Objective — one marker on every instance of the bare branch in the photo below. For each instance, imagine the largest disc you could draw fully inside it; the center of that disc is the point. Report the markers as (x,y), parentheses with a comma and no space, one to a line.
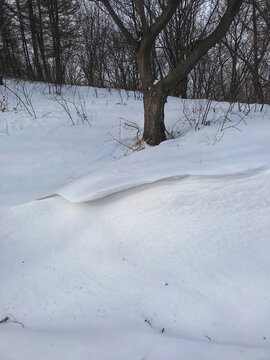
(141,13)
(201,48)
(129,37)
(163,19)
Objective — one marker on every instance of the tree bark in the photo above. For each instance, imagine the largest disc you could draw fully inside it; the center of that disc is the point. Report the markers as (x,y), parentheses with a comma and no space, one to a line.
(154,128)
(154,98)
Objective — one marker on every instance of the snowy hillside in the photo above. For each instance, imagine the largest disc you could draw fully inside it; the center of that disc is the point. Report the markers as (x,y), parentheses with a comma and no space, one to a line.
(109,253)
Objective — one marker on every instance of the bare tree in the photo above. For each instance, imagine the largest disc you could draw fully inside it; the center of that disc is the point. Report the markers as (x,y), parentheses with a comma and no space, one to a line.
(155,93)
(248,43)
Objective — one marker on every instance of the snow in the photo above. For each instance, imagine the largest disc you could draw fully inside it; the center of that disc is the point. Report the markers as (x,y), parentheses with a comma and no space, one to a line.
(109,253)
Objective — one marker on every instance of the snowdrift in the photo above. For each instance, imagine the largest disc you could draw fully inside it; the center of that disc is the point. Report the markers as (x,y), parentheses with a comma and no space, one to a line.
(157,254)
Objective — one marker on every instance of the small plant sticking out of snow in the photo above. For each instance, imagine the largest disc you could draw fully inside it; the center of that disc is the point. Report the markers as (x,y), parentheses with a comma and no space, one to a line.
(23,95)
(199,113)
(10,319)
(75,107)
(3,104)
(131,142)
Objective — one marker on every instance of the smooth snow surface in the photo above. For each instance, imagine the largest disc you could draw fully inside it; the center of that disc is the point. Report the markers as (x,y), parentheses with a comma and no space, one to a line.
(158,254)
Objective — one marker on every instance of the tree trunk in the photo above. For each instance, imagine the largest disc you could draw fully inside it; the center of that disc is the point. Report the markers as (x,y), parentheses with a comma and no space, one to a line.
(40,40)
(1,80)
(53,10)
(154,99)
(233,82)
(154,128)
(33,29)
(29,70)
(181,89)
(258,92)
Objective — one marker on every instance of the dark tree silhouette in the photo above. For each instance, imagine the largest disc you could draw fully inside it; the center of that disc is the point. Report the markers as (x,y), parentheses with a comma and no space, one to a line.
(155,93)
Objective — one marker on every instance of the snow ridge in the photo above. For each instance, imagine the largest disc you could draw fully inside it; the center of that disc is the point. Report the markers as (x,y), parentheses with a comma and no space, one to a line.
(89,188)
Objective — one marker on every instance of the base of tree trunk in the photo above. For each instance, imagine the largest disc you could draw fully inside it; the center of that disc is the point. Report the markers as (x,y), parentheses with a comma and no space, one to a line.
(154,127)
(1,80)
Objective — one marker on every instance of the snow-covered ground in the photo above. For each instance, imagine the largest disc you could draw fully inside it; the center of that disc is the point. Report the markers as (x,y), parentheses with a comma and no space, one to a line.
(110,253)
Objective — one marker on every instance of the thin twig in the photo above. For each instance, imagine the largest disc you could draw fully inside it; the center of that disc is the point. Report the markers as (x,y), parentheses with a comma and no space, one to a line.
(10,319)
(20,99)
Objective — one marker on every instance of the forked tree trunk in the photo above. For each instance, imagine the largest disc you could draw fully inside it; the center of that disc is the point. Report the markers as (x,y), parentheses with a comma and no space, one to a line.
(155,95)
(154,128)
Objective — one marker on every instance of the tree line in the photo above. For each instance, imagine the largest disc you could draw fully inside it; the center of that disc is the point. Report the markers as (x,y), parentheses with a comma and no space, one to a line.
(76,42)
(220,48)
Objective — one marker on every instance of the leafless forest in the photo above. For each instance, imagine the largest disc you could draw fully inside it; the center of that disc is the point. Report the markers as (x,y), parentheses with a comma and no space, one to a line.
(78,42)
